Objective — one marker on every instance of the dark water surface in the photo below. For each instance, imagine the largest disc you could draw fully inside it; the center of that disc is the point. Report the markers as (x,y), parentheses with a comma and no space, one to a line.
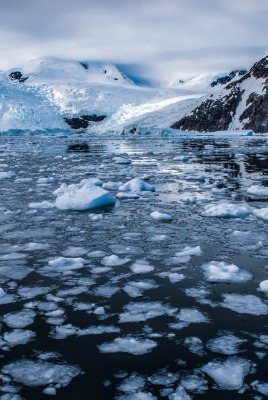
(188,173)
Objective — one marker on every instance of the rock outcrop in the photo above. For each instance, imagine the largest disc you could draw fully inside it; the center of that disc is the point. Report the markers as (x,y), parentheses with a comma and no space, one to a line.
(243,104)
(83,121)
(17,76)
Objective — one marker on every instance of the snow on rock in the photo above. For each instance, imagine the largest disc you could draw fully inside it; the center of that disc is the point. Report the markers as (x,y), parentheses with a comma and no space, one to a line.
(245,304)
(38,373)
(264,286)
(139,312)
(258,191)
(220,271)
(83,196)
(158,216)
(44,205)
(261,213)
(128,345)
(114,261)
(7,175)
(65,264)
(225,210)
(225,344)
(136,184)
(141,267)
(229,374)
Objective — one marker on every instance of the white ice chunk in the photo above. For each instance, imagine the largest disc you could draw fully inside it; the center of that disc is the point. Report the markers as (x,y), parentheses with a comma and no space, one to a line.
(158,216)
(38,373)
(229,374)
(220,271)
(19,319)
(121,160)
(258,190)
(128,345)
(225,210)
(44,205)
(189,316)
(261,387)
(141,267)
(112,185)
(186,254)
(264,286)
(225,344)
(77,197)
(261,213)
(63,264)
(7,175)
(137,396)
(114,261)
(132,383)
(18,336)
(136,184)
(179,394)
(245,304)
(138,312)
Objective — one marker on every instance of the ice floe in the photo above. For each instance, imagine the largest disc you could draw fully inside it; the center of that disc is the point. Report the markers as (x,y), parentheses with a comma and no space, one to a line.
(19,319)
(258,191)
(225,210)
(264,286)
(228,374)
(245,304)
(158,216)
(225,344)
(136,184)
(138,312)
(261,213)
(82,197)
(44,205)
(141,267)
(128,345)
(189,316)
(220,271)
(114,261)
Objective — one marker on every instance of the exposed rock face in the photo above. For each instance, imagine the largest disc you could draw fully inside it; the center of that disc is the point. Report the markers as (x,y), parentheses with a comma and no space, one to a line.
(211,115)
(83,121)
(223,80)
(215,114)
(17,76)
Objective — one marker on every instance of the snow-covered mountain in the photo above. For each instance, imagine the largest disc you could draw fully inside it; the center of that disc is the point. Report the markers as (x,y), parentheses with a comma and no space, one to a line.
(65,96)
(242,104)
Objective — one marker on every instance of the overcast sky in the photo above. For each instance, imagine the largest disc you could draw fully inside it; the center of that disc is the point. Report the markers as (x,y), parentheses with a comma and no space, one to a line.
(162,39)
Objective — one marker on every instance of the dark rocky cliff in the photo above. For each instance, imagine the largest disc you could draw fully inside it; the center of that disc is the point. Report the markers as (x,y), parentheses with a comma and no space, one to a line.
(217,112)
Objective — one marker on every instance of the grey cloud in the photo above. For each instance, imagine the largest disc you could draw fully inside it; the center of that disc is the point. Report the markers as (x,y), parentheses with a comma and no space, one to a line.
(166,38)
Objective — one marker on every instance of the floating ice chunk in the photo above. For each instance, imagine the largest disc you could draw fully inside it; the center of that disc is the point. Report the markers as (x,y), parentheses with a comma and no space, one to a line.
(258,191)
(19,319)
(46,180)
(172,276)
(50,391)
(112,185)
(95,217)
(44,205)
(96,254)
(136,289)
(261,213)
(29,292)
(194,383)
(99,311)
(141,267)
(261,387)
(63,264)
(2,292)
(18,336)
(229,374)
(7,175)
(264,286)
(14,271)
(128,345)
(137,312)
(189,316)
(247,240)
(106,290)
(121,160)
(163,378)
(77,197)
(220,271)
(179,394)
(132,383)
(245,304)
(114,261)
(33,246)
(225,210)
(186,254)
(137,396)
(194,345)
(98,330)
(225,344)
(91,181)
(127,196)
(38,373)
(158,216)
(136,184)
